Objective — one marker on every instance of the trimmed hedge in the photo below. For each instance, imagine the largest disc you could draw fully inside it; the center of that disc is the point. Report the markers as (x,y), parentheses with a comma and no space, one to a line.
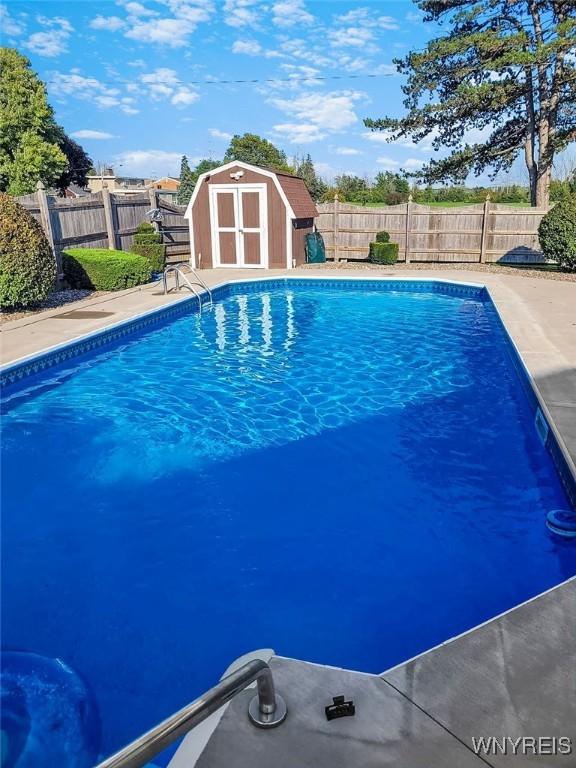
(383,253)
(148,243)
(557,234)
(382,237)
(154,253)
(27,264)
(104,270)
(145,233)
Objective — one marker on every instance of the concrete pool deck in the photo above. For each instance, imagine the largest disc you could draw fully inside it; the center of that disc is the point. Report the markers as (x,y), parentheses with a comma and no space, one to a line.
(512,677)
(540,315)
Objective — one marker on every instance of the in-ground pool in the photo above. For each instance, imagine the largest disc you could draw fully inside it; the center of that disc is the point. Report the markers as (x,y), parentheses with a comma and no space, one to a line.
(348,473)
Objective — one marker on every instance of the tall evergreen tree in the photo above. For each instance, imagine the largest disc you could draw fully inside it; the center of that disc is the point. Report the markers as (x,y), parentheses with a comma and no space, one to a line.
(304,167)
(187,182)
(505,69)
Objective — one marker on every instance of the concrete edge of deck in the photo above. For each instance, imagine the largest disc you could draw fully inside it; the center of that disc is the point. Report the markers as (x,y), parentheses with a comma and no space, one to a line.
(509,679)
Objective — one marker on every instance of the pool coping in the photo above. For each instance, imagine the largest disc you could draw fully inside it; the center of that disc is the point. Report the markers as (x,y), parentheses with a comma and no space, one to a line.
(16,371)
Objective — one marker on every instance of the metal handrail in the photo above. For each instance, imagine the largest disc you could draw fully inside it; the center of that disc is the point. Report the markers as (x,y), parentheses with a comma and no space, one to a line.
(177,274)
(266,710)
(199,280)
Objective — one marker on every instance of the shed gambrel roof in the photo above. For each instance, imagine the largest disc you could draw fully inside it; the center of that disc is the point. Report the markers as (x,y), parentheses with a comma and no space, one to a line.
(297,193)
(292,189)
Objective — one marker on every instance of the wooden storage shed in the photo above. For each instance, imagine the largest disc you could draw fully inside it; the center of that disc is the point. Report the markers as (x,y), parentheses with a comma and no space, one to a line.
(242,215)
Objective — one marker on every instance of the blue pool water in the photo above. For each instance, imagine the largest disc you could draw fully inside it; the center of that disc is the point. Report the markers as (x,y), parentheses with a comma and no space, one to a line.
(347,476)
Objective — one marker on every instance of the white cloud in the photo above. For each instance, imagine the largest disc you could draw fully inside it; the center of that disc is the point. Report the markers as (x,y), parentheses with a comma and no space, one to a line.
(171,32)
(87,133)
(347,151)
(249,47)
(299,133)
(137,9)
(365,17)
(137,63)
(10,26)
(253,48)
(218,134)
(298,48)
(163,83)
(414,18)
(382,137)
(90,89)
(52,42)
(149,162)
(194,11)
(108,23)
(357,37)
(325,171)
(388,163)
(241,13)
(360,28)
(289,13)
(183,97)
(385,69)
(412,163)
(329,111)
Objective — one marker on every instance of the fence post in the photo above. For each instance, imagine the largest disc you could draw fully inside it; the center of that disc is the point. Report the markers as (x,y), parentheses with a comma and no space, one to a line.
(109,218)
(335,227)
(408,228)
(485,220)
(47,226)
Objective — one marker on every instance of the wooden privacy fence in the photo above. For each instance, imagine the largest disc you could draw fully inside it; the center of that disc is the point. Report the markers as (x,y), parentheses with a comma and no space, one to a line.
(106,220)
(484,232)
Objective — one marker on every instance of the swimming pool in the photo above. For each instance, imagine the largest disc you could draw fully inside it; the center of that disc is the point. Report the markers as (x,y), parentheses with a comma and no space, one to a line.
(347,472)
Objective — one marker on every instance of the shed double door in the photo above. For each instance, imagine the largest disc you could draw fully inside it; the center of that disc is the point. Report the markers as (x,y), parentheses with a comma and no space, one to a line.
(238,214)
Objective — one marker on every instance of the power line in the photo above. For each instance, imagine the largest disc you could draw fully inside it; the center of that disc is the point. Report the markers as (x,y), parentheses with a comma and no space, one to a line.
(248,81)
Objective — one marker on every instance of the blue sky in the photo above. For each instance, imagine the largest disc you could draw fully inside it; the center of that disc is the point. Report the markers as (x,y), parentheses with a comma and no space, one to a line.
(135,82)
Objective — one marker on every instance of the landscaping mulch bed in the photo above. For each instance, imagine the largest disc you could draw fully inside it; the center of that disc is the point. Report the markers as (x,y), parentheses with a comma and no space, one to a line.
(534,272)
(55,300)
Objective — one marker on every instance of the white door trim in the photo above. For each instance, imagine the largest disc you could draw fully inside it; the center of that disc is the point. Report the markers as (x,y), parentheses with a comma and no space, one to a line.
(239,229)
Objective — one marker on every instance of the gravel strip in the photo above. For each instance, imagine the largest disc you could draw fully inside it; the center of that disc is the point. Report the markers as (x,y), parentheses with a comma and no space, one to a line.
(540,274)
(55,300)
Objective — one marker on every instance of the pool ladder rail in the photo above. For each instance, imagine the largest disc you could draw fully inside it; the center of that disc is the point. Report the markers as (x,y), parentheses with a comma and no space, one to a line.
(179,274)
(266,710)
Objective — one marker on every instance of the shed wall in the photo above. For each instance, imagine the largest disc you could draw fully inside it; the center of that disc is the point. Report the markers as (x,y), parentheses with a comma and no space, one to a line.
(276,217)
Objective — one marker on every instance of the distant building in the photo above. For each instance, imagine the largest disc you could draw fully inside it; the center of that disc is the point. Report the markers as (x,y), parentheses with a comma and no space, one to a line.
(133,185)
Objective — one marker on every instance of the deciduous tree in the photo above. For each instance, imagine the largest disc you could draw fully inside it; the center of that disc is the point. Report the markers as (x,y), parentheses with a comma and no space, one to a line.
(500,83)
(32,146)
(255,150)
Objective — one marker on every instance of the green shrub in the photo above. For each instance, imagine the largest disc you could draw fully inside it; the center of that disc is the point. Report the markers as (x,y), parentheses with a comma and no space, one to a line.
(104,270)
(146,233)
(154,253)
(557,233)
(27,264)
(382,237)
(383,253)
(148,243)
